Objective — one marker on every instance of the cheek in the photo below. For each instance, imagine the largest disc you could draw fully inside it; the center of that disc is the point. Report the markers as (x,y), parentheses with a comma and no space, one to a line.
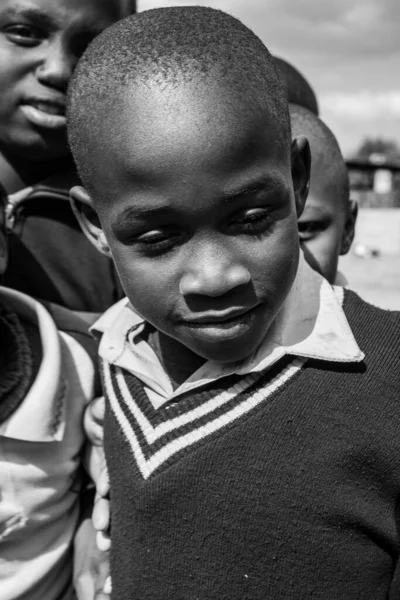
(325,252)
(326,246)
(15,63)
(275,264)
(14,68)
(149,284)
(8,78)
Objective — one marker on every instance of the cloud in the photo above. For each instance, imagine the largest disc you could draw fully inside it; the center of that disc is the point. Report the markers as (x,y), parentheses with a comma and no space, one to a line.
(362,105)
(349,52)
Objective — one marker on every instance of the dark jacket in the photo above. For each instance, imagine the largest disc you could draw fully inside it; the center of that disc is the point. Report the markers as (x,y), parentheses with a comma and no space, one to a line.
(51,259)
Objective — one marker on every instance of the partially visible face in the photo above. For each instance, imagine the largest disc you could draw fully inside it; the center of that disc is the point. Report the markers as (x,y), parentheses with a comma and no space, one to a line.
(40,44)
(197,203)
(322,229)
(3,237)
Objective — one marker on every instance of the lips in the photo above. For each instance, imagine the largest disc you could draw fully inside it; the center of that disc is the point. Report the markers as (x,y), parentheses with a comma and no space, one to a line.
(223,326)
(47,113)
(219,318)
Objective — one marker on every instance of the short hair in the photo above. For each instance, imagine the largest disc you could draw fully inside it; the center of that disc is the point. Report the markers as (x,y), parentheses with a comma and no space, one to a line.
(298,89)
(328,164)
(170,46)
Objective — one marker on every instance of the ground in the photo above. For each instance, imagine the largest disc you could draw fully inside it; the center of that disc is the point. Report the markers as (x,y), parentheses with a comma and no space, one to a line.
(376,279)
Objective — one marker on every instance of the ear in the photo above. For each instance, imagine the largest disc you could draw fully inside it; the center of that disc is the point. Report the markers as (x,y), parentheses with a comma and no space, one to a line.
(301,168)
(349,228)
(82,206)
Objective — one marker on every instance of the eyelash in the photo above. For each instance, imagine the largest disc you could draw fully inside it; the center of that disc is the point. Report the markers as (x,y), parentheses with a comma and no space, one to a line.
(256,222)
(310,229)
(24,35)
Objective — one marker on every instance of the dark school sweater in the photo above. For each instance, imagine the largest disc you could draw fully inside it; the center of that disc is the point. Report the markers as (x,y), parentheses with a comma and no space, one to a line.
(51,259)
(295,498)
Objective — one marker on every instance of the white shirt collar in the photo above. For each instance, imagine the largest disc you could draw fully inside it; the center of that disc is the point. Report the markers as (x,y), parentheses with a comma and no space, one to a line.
(38,417)
(311,324)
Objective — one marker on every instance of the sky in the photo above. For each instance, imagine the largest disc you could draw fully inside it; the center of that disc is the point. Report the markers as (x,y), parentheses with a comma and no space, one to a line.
(349,50)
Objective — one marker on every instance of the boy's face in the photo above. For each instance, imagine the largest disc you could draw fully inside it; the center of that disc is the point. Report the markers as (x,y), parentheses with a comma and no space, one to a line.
(326,228)
(199,207)
(40,43)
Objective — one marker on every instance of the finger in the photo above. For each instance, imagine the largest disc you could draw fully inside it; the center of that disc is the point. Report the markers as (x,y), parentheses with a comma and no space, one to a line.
(105,593)
(93,428)
(103,541)
(107,588)
(101,514)
(103,481)
(98,409)
(95,465)
(20,195)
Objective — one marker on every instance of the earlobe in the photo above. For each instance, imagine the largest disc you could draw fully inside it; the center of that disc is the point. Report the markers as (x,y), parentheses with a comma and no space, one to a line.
(301,167)
(349,229)
(88,220)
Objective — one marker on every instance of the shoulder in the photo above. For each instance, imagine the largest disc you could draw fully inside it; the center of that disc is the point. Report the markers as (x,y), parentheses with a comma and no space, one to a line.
(367,315)
(376,330)
(79,367)
(80,347)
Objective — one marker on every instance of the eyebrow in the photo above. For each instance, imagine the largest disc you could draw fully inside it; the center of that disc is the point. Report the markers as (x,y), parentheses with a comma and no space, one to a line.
(146,212)
(315,208)
(141,213)
(252,187)
(34,15)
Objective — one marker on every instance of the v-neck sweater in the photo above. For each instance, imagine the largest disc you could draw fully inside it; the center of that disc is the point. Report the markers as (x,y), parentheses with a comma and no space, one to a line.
(283,484)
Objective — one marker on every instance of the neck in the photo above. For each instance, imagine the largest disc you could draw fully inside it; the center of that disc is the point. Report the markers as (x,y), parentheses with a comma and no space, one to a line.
(177,360)
(17,173)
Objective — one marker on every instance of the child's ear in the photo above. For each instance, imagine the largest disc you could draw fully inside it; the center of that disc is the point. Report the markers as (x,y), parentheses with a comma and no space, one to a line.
(349,228)
(82,206)
(301,168)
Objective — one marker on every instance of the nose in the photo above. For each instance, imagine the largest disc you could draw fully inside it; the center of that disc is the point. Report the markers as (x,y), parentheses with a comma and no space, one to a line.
(56,68)
(212,272)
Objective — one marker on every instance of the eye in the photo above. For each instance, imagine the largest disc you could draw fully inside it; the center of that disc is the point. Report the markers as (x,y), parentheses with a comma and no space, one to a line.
(310,229)
(157,241)
(252,221)
(24,35)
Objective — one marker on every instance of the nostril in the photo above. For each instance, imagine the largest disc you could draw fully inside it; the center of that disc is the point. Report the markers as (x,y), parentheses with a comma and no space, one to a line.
(212,282)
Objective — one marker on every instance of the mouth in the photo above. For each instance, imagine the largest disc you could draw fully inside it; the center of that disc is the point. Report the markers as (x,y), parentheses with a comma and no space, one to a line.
(218,318)
(48,113)
(223,325)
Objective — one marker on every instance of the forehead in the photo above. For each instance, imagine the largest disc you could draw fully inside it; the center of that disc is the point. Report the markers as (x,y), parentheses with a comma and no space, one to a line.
(184,133)
(61,13)
(323,201)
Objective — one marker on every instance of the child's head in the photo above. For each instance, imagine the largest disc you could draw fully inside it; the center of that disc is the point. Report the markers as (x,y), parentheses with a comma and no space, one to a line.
(326,226)
(40,44)
(182,139)
(298,90)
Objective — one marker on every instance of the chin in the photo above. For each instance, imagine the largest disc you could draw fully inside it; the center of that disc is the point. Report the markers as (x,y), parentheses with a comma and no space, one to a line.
(37,148)
(227,351)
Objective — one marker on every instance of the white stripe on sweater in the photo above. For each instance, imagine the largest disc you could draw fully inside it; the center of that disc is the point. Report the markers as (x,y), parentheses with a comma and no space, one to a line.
(148,466)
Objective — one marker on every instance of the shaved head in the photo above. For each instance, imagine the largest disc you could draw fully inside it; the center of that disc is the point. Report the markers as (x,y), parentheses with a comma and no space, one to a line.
(168,48)
(298,90)
(328,169)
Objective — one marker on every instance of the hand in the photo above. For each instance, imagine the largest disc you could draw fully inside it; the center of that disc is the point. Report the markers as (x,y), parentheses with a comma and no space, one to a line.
(101,509)
(97,468)
(93,421)
(91,566)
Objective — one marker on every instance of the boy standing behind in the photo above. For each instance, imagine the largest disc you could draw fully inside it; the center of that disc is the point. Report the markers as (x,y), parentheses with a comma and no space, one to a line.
(46,379)
(252,414)
(326,226)
(40,44)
